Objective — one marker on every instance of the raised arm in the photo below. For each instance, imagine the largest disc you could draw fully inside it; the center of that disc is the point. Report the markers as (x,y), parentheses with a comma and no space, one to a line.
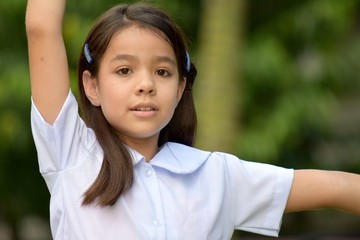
(47,56)
(314,189)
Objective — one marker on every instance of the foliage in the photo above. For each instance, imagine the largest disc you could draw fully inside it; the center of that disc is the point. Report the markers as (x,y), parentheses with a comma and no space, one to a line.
(22,190)
(300,63)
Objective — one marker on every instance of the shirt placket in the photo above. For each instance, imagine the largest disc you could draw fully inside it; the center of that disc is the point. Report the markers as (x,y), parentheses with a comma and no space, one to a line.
(151,181)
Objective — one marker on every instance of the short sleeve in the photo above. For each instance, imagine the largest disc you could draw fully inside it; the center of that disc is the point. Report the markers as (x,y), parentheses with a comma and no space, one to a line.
(259,194)
(59,146)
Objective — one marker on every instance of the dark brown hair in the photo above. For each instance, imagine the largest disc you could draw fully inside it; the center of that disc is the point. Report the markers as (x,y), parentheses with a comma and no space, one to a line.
(116,174)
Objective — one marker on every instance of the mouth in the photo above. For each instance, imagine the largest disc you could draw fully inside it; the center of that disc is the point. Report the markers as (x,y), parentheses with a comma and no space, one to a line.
(143,109)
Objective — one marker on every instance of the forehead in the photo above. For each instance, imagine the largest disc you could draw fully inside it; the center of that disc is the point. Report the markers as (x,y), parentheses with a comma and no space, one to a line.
(137,40)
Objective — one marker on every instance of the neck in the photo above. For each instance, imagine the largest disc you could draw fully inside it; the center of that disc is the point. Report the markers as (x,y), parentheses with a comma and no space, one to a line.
(147,147)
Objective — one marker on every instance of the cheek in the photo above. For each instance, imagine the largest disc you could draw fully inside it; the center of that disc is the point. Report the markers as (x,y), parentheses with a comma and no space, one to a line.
(113,90)
(174,94)
(109,113)
(173,101)
(112,101)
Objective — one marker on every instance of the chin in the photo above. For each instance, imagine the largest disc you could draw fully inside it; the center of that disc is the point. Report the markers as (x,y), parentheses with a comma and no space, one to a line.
(144,136)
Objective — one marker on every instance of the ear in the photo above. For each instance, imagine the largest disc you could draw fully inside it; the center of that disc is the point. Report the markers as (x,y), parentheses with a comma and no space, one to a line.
(181,88)
(91,88)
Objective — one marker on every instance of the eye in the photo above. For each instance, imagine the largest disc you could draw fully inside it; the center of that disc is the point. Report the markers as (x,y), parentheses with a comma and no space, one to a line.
(124,71)
(163,73)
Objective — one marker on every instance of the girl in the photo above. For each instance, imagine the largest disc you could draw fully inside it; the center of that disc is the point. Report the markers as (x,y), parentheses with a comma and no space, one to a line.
(128,171)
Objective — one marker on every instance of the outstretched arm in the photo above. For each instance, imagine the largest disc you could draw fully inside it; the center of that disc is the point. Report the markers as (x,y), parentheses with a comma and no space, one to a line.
(47,56)
(314,189)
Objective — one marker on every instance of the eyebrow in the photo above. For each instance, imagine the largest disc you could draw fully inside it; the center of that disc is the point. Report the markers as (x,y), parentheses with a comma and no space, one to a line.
(120,57)
(165,59)
(129,57)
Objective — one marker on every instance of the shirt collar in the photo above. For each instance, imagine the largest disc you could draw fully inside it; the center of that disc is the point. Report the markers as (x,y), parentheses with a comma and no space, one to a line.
(136,156)
(175,157)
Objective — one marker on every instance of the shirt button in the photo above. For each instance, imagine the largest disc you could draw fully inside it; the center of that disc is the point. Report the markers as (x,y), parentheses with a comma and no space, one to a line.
(157,223)
(148,172)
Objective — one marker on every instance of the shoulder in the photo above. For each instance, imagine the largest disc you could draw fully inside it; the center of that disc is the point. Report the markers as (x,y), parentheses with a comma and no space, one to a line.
(227,163)
(182,159)
(66,141)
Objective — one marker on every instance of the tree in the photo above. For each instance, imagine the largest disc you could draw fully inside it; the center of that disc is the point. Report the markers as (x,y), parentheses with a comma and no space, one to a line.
(218,86)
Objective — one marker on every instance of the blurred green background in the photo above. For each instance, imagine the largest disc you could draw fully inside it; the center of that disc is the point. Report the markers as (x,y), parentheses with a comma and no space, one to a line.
(279,82)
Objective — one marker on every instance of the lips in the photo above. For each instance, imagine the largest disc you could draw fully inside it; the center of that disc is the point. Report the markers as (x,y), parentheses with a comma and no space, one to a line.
(144,107)
(144,110)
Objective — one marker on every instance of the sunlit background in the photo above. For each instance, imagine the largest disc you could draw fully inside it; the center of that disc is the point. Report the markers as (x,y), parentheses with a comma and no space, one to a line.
(279,82)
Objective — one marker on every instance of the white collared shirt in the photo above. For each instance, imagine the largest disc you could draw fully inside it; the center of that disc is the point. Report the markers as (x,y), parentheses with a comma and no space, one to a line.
(182,193)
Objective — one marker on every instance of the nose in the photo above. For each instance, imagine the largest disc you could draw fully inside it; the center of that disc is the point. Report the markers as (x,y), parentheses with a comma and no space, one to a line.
(146,85)
(141,91)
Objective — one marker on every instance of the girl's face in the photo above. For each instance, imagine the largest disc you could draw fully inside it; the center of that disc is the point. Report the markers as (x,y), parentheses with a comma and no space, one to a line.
(138,86)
